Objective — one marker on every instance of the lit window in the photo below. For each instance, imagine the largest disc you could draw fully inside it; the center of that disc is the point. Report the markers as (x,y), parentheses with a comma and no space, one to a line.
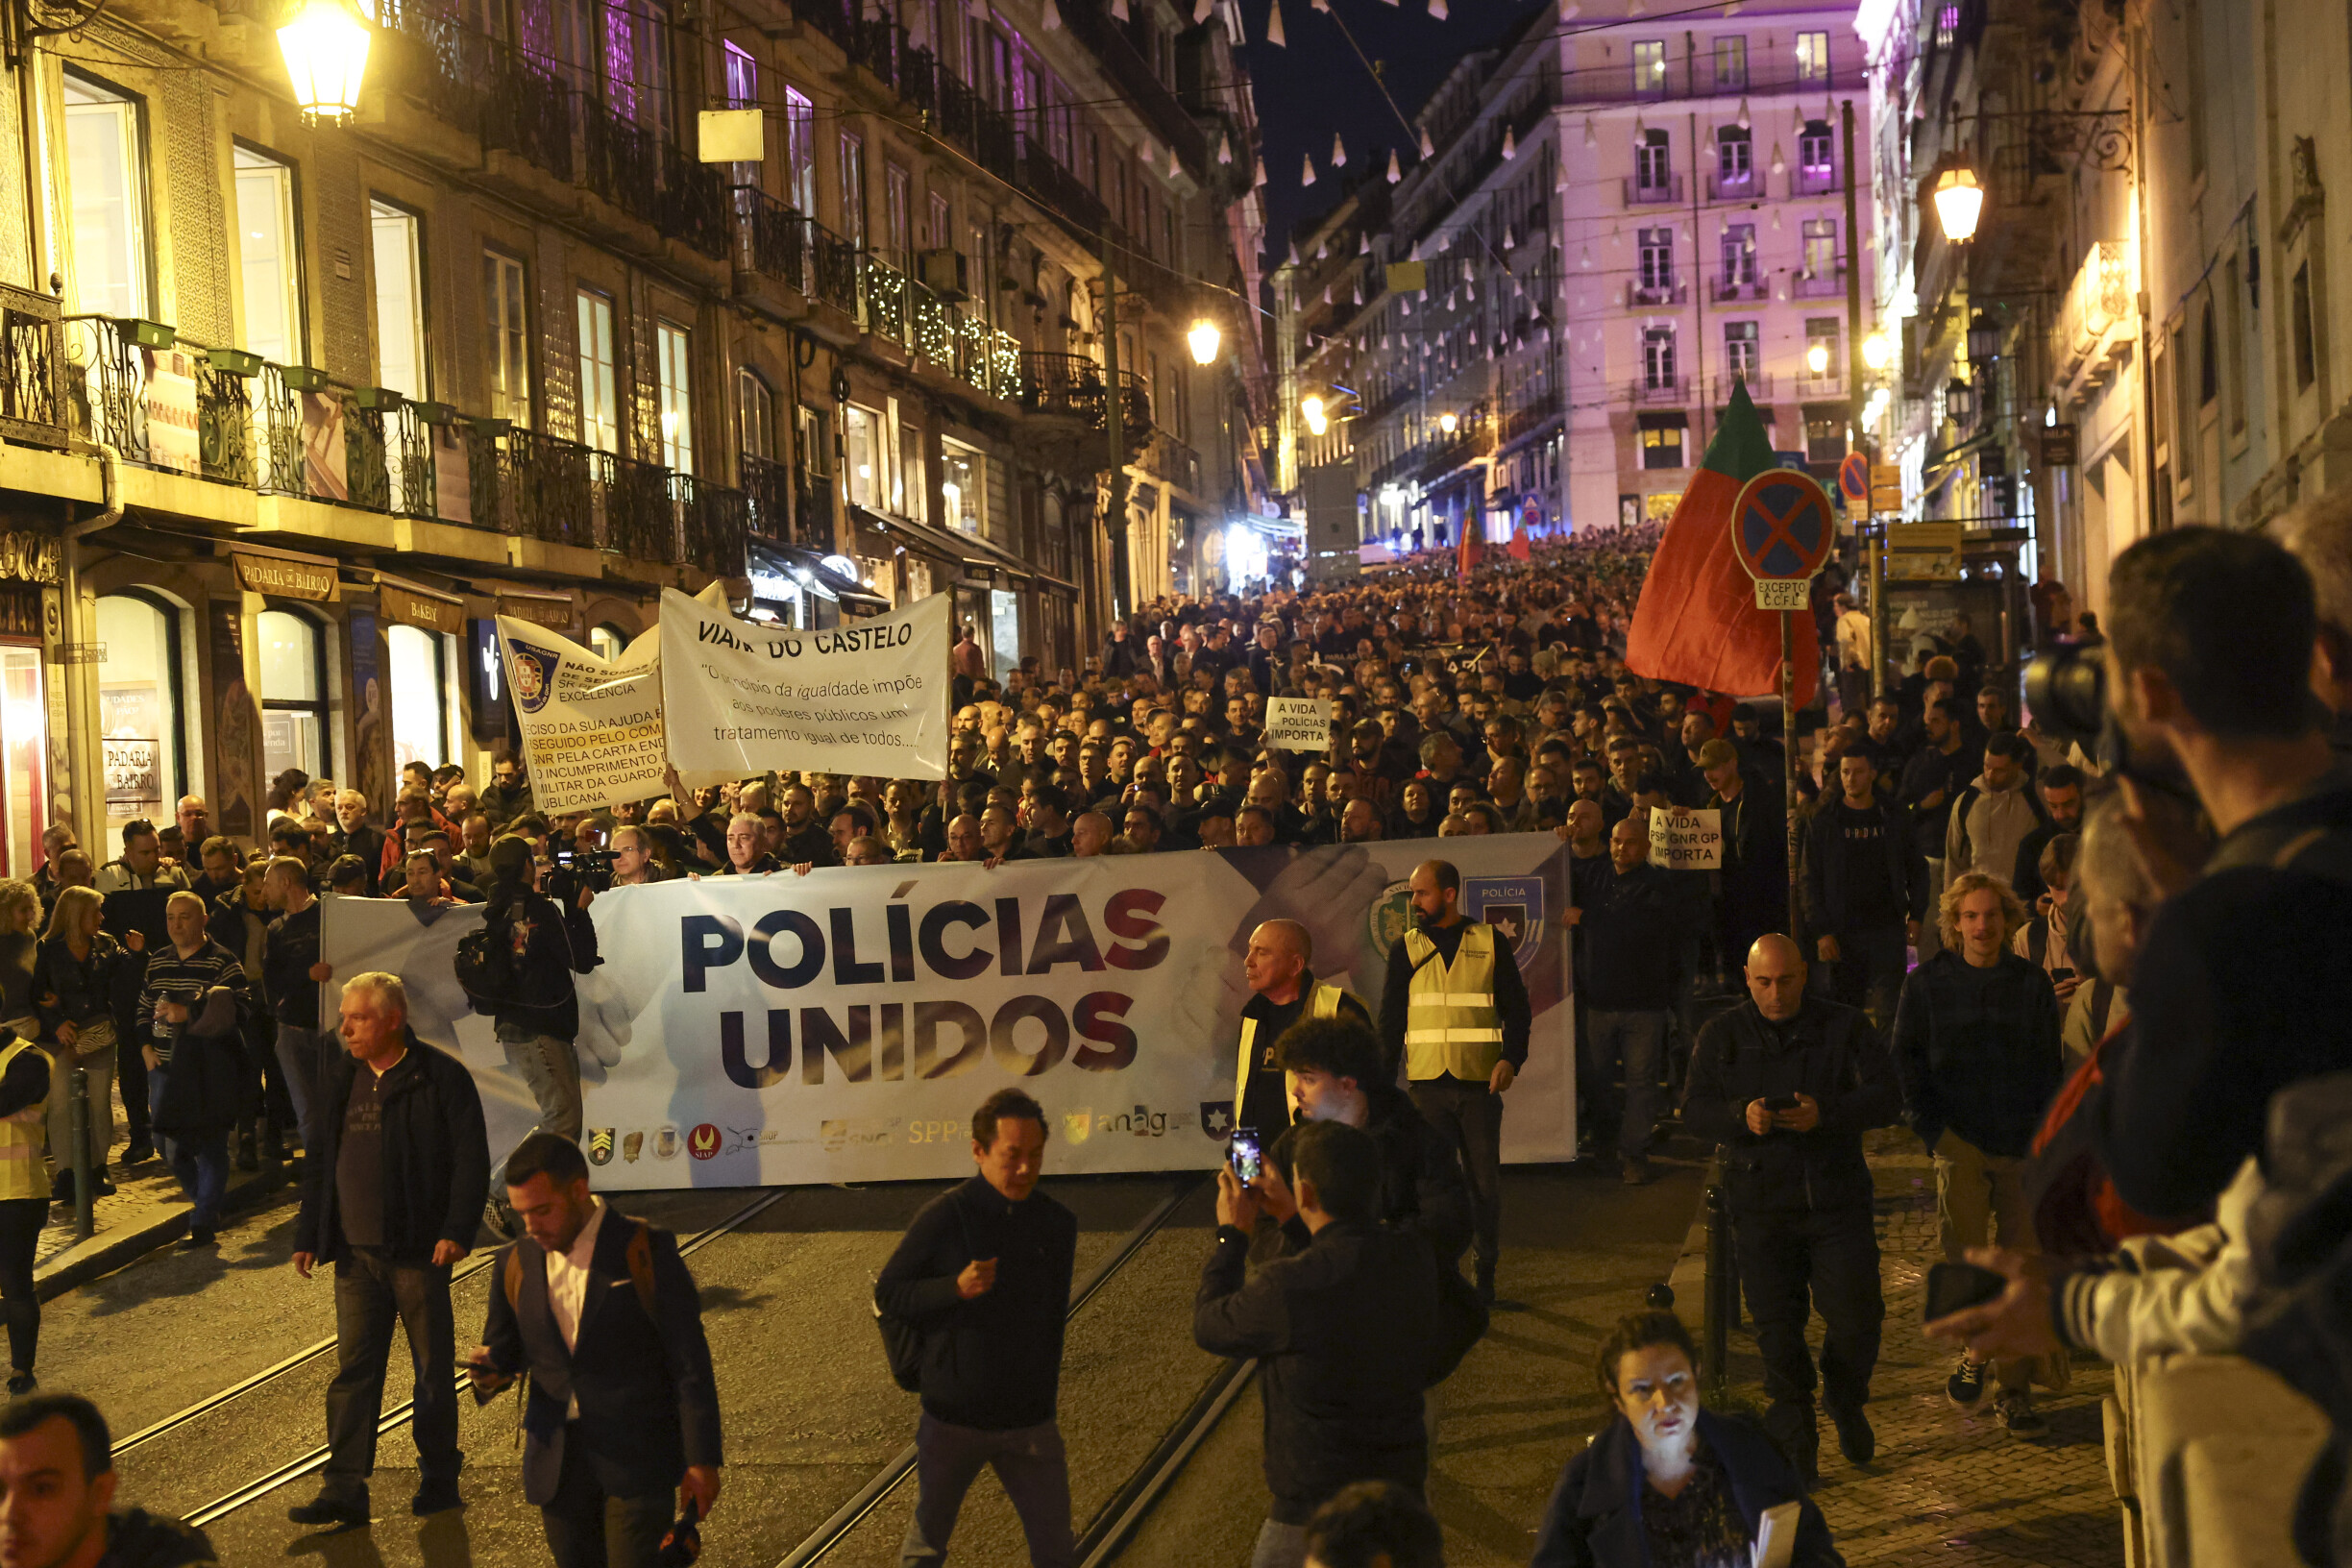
(400,299)
(293,694)
(963,485)
(862,450)
(673,350)
(268,257)
(1812,57)
(104,164)
(599,391)
(507,338)
(419,697)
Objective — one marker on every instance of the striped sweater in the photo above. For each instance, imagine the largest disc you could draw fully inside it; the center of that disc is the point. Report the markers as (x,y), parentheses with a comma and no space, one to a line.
(174,976)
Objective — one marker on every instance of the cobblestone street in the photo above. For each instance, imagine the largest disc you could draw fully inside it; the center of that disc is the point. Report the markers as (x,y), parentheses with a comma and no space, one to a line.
(1946,1487)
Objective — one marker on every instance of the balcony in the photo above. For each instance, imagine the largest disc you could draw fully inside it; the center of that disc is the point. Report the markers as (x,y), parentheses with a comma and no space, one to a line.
(1829,284)
(1814,179)
(1696,78)
(1671,391)
(1172,462)
(1742,186)
(33,407)
(1658,294)
(1071,386)
(224,416)
(1732,290)
(2097,322)
(1829,384)
(1639,192)
(771,238)
(1759,384)
(1530,417)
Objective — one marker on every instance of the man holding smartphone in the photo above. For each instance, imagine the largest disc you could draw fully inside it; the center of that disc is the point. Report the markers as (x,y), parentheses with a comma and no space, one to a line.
(1788,1083)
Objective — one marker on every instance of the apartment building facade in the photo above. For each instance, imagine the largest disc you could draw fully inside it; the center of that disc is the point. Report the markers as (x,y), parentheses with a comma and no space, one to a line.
(1704,241)
(291,413)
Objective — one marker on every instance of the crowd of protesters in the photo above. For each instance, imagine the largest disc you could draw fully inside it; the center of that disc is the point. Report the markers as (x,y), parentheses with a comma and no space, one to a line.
(2087,975)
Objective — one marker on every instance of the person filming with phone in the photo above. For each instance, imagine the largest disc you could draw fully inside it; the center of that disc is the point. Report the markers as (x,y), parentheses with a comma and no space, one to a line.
(1787,1082)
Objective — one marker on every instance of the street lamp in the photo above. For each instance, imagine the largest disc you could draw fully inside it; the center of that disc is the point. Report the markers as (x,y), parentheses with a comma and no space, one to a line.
(1959,199)
(1983,338)
(1449,420)
(1877,351)
(1205,339)
(1960,402)
(326,49)
(1317,421)
(1817,358)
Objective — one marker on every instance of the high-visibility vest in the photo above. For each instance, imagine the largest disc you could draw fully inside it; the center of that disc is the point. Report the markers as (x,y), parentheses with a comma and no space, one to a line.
(1451,1025)
(1323,1002)
(24,1138)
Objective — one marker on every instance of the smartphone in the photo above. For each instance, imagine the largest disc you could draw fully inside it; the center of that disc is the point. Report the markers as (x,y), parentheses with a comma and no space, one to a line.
(1780,1102)
(2060,976)
(1954,1288)
(1242,1153)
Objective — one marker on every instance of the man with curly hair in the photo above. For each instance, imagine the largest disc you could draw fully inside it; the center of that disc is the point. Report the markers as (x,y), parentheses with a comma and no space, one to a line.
(1976,1049)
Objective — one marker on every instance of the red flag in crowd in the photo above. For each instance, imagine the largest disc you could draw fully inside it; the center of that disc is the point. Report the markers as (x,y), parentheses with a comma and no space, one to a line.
(1473,543)
(1520,549)
(1697,622)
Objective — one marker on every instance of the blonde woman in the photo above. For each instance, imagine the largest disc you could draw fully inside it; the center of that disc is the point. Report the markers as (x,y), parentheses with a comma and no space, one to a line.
(1976,1045)
(19,945)
(73,983)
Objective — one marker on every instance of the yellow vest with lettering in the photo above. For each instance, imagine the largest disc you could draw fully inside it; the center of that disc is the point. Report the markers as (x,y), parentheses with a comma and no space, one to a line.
(24,1138)
(1322,1003)
(1451,1025)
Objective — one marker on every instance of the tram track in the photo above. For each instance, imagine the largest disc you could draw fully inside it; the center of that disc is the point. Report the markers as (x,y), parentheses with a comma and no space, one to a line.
(394,1417)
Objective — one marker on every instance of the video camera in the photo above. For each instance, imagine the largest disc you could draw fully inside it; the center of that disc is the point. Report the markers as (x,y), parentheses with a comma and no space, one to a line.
(2066,686)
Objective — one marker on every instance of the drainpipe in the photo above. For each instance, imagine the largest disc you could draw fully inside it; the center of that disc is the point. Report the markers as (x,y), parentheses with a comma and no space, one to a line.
(81,699)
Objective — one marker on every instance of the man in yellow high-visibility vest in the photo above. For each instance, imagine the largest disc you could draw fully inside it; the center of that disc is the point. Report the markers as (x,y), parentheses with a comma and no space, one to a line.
(1284,990)
(1456,1010)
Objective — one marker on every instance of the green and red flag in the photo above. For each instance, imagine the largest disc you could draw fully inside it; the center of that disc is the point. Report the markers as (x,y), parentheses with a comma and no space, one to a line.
(1473,541)
(1697,622)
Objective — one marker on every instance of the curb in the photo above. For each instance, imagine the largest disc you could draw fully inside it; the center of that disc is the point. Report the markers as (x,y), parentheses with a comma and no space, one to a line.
(109,1250)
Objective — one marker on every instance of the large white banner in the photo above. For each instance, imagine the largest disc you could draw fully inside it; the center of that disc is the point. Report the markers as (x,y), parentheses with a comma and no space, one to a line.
(592,727)
(867,696)
(843,1025)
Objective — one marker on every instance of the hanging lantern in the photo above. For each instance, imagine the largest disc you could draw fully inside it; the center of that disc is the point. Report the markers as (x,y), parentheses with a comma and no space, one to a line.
(1960,402)
(1959,201)
(326,50)
(1984,335)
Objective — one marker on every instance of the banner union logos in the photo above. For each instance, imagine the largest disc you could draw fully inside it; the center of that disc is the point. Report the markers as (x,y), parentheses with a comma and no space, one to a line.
(703,1141)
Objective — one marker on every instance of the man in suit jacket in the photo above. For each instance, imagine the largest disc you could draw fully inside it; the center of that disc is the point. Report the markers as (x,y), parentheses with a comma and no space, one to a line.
(622,1412)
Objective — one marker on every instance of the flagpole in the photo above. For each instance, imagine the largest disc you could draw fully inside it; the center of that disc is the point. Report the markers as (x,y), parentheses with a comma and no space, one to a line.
(1788,757)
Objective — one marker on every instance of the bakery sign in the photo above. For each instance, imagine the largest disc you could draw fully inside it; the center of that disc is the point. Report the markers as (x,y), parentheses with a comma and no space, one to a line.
(405,606)
(285,576)
(554,614)
(28,557)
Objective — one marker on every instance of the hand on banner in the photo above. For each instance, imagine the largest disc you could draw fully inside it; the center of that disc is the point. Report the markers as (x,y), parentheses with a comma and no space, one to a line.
(801,868)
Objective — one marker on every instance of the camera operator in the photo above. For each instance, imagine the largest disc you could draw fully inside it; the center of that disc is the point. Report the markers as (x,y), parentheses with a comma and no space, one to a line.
(537,944)
(2241,986)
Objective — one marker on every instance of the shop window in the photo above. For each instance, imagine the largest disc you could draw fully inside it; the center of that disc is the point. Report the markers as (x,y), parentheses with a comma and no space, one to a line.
(420,697)
(24,759)
(1662,447)
(139,709)
(293,694)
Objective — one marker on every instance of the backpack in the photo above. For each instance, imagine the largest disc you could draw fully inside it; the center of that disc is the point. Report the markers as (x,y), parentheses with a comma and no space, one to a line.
(903,1343)
(640,1256)
(484,964)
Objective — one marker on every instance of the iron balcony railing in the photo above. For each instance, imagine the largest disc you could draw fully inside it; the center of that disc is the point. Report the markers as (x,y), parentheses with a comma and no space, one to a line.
(225,415)
(768,492)
(33,407)
(771,238)
(1071,384)
(1828,284)
(1639,192)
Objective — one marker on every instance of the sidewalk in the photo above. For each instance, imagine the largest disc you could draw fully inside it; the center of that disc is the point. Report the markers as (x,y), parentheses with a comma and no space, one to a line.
(1946,1487)
(145,1212)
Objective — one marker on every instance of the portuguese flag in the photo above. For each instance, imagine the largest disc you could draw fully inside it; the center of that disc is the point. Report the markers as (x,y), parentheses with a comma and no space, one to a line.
(1697,622)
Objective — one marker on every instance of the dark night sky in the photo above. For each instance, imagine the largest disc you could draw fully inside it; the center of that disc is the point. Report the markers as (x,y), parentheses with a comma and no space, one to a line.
(1318,85)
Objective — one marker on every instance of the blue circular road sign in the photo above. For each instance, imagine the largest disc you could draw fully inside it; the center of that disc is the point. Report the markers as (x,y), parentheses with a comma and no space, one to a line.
(1782,524)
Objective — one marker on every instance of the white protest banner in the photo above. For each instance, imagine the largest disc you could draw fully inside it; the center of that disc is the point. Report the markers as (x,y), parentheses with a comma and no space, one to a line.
(1298,723)
(592,727)
(1684,840)
(841,1025)
(865,697)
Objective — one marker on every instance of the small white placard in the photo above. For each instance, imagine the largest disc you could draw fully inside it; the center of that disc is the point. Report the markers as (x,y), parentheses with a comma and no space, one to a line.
(1686,841)
(1298,723)
(1784,593)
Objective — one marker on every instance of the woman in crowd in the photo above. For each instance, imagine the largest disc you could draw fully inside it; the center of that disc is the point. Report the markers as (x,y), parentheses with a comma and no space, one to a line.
(1417,816)
(74,977)
(1666,1485)
(19,947)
